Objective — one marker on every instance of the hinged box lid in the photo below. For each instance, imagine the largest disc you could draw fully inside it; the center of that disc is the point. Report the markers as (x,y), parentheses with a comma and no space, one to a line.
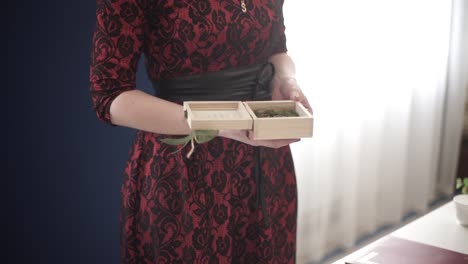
(217,115)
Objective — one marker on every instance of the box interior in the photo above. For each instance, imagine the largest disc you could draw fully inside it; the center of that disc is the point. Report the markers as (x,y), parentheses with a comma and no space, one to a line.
(217,111)
(277,105)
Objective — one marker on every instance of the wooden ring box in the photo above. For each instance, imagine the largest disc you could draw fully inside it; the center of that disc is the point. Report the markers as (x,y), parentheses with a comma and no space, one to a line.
(236,115)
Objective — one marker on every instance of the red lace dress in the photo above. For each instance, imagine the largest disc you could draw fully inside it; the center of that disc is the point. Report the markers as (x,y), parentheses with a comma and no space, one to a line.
(202,209)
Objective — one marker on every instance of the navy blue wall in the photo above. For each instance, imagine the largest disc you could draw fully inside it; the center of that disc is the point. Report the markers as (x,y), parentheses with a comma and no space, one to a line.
(63,166)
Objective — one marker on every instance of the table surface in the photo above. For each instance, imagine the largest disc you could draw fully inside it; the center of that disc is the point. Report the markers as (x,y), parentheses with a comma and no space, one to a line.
(437,228)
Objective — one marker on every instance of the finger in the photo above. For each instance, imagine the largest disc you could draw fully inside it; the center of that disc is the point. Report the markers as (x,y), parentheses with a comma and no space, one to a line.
(307,106)
(299,97)
(303,100)
(295,96)
(250,135)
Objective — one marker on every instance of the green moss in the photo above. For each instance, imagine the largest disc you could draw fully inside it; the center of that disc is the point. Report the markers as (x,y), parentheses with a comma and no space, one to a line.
(275,113)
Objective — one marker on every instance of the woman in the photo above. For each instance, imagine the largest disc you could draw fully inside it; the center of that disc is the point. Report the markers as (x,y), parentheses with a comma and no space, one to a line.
(234,199)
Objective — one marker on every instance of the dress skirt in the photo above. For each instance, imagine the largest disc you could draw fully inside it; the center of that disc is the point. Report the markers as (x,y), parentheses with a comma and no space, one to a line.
(206,208)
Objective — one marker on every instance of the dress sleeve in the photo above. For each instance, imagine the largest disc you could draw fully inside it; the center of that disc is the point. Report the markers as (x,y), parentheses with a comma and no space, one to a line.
(279,36)
(117,44)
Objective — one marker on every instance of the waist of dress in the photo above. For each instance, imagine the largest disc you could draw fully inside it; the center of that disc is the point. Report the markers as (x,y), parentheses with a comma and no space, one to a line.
(244,83)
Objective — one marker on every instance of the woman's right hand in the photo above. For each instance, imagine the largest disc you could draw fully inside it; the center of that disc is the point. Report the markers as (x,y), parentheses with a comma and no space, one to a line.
(246,137)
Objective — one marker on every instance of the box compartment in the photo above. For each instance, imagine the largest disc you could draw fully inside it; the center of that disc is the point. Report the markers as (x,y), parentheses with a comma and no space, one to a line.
(280,127)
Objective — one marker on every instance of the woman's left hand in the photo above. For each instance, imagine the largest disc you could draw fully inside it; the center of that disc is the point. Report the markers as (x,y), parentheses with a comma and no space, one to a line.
(286,88)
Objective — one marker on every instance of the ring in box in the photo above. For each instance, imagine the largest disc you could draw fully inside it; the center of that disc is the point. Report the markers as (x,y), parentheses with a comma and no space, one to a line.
(219,115)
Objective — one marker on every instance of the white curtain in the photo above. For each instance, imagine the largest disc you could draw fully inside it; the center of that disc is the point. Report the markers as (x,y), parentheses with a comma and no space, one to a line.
(375,72)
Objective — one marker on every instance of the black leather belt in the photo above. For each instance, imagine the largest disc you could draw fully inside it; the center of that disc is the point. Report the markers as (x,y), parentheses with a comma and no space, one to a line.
(246,83)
